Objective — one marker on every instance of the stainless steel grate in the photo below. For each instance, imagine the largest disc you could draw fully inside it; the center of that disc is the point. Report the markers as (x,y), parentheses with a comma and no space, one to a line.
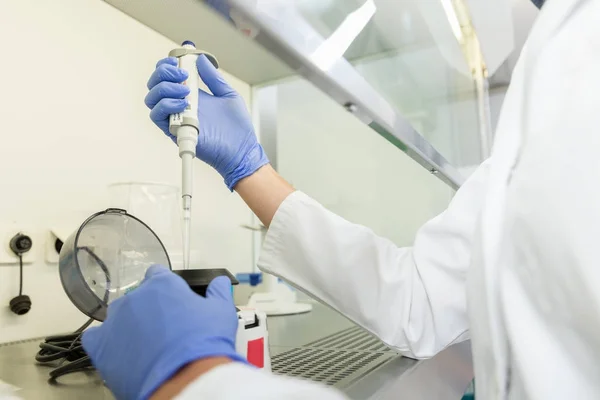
(336,360)
(354,338)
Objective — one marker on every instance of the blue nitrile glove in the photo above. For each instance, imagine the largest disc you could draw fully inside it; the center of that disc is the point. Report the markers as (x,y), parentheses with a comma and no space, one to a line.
(152,332)
(226,140)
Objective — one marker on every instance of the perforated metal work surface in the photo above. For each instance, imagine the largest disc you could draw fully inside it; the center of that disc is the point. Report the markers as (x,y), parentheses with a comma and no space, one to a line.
(353,338)
(349,359)
(336,360)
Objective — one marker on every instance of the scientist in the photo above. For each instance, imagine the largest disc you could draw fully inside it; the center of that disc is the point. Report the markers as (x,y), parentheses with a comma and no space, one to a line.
(512,263)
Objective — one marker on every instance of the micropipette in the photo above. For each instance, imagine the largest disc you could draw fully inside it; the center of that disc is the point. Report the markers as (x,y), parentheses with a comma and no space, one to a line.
(184,126)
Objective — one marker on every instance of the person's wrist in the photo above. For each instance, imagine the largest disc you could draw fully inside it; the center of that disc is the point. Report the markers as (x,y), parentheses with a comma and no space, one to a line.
(188,350)
(253,160)
(264,191)
(188,374)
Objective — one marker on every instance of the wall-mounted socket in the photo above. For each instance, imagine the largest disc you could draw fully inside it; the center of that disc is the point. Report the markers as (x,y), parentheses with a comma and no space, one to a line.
(55,237)
(7,256)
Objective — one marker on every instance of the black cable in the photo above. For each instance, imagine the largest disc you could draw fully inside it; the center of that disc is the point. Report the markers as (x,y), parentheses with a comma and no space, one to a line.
(20,274)
(66,350)
(19,245)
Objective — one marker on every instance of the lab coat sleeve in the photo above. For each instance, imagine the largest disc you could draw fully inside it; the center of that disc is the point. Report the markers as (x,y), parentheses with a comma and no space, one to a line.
(412,298)
(237,381)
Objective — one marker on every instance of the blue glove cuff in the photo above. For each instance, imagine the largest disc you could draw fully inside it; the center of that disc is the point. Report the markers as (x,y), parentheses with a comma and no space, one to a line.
(252,161)
(178,357)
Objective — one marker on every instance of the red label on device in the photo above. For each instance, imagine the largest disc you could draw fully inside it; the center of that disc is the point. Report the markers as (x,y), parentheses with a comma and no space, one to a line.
(256,352)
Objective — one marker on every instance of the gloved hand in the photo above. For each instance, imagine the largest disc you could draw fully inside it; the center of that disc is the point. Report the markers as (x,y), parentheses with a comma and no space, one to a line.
(226,140)
(152,332)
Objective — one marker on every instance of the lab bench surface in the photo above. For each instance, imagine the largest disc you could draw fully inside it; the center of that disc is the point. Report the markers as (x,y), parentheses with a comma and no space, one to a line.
(322,336)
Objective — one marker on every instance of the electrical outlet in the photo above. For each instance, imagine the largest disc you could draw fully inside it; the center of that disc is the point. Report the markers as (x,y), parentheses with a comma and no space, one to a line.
(7,257)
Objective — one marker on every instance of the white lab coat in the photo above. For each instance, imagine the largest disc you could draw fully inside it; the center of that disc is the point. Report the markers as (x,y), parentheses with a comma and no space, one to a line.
(511,264)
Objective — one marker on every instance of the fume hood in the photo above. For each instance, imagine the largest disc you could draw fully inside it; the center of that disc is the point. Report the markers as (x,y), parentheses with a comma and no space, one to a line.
(388,62)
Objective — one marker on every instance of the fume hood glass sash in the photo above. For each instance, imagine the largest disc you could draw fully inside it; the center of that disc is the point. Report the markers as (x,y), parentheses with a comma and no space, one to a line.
(281,27)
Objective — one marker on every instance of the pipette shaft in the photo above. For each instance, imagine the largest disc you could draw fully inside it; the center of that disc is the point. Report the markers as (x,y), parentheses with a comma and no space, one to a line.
(187,172)
(185,127)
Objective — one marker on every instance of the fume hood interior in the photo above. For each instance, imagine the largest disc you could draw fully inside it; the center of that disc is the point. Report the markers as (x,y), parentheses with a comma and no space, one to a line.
(356,81)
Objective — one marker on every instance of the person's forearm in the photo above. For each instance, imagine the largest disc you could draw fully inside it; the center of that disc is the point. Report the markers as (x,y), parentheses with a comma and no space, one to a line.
(264,191)
(187,375)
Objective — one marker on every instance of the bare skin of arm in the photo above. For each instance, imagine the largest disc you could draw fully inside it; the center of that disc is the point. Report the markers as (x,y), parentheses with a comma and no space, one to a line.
(174,386)
(263,192)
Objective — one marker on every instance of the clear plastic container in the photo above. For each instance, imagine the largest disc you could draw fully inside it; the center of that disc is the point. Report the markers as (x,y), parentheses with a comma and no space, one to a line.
(106,258)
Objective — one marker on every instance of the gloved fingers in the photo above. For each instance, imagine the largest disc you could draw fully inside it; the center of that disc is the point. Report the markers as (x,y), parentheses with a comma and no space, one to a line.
(166,72)
(220,287)
(165,90)
(212,78)
(202,97)
(168,60)
(91,339)
(114,307)
(159,277)
(156,270)
(165,107)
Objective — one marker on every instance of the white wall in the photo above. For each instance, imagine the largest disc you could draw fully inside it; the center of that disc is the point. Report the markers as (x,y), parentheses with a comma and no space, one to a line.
(74,78)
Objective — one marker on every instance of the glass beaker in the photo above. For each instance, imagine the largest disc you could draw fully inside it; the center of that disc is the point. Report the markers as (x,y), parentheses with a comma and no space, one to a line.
(159,206)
